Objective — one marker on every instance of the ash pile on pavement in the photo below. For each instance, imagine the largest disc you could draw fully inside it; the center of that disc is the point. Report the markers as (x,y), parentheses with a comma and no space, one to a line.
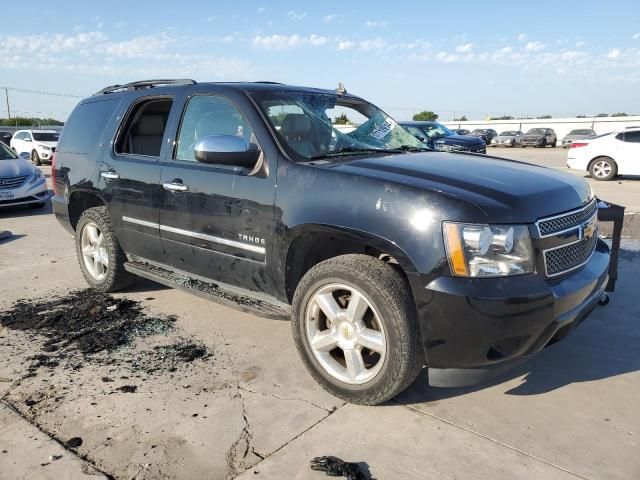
(80,326)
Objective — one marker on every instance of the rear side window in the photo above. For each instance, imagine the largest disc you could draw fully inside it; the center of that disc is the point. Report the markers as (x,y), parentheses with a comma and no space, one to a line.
(84,128)
(144,127)
(633,137)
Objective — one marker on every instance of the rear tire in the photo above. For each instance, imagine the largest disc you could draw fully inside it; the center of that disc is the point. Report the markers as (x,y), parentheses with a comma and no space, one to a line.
(100,256)
(383,310)
(603,168)
(554,143)
(35,158)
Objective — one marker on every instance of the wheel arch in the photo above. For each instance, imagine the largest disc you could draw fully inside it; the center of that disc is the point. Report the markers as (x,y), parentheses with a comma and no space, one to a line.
(309,245)
(81,200)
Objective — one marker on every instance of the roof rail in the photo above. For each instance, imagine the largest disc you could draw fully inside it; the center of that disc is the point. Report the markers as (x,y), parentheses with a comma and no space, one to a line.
(269,82)
(145,84)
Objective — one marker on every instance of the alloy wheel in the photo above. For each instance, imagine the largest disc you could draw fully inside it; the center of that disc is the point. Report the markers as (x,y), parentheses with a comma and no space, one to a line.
(345,333)
(94,251)
(602,169)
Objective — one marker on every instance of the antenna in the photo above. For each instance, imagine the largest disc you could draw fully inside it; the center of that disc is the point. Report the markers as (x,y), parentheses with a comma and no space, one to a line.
(341,90)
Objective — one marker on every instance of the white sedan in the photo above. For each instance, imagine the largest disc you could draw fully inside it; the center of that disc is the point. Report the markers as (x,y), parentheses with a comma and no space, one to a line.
(608,155)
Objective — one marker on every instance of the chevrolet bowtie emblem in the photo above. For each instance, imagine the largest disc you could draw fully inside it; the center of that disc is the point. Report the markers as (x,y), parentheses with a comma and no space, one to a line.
(588,229)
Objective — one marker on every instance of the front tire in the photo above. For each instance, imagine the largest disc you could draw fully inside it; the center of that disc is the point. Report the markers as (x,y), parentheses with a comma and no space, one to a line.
(100,256)
(355,326)
(35,158)
(554,143)
(603,168)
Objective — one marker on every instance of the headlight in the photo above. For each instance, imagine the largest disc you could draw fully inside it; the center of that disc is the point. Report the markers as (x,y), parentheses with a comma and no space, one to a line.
(37,176)
(488,250)
(44,147)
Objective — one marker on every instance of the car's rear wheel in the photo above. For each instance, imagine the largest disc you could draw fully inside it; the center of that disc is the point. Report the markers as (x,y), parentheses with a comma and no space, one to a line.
(554,143)
(603,168)
(100,256)
(35,158)
(355,326)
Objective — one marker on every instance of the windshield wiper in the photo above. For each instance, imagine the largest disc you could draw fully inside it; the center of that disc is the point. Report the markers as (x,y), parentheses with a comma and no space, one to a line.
(356,151)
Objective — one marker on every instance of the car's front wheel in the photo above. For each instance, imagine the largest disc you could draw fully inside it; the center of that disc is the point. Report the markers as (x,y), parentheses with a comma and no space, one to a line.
(100,256)
(35,158)
(603,168)
(355,326)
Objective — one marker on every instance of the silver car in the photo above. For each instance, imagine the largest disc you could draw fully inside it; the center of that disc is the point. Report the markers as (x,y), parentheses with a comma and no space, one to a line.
(578,134)
(510,138)
(21,183)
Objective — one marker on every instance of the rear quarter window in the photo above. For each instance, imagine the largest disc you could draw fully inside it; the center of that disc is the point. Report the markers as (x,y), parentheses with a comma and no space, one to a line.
(85,126)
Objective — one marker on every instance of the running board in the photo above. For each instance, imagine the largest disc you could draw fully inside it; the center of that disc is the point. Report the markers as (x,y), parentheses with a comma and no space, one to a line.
(209,290)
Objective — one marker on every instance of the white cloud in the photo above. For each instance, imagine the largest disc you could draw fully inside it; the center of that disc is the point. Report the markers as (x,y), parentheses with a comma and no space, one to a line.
(228,39)
(329,18)
(447,57)
(373,44)
(293,15)
(262,9)
(464,48)
(636,36)
(284,42)
(580,44)
(534,46)
(346,45)
(376,24)
(613,54)
(522,37)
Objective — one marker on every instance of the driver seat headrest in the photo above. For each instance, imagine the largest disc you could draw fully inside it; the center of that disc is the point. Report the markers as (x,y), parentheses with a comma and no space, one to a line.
(296,126)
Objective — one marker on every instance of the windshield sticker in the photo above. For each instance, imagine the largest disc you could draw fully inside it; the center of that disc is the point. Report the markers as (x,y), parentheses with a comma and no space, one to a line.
(383,129)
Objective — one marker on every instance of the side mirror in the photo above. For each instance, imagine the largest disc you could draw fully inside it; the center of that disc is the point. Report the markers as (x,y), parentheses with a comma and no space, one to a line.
(226,150)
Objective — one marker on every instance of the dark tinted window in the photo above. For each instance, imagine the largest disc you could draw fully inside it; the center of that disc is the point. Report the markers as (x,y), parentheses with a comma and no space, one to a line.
(19,136)
(633,137)
(82,131)
(143,129)
(45,136)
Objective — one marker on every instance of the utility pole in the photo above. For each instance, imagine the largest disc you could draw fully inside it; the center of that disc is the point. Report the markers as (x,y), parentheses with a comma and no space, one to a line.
(6,94)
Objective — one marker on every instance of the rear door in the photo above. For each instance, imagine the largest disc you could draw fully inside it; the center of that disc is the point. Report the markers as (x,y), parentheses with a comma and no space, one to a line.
(628,157)
(216,221)
(130,174)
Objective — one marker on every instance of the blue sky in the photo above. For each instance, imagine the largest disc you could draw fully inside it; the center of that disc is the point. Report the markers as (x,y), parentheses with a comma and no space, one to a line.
(464,57)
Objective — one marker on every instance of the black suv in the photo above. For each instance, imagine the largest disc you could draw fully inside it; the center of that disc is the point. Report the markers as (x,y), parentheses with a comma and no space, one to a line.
(387,256)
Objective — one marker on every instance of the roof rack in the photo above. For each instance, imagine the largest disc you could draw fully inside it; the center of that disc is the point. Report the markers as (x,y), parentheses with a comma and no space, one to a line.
(145,84)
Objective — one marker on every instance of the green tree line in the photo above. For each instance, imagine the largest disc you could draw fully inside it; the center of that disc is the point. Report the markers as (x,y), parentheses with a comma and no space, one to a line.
(28,122)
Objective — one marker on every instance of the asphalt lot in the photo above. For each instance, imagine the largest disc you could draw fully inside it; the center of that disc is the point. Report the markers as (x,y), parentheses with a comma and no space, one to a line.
(250,410)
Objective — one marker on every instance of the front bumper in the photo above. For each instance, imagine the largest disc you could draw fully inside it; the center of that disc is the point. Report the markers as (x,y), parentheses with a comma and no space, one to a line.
(473,329)
(27,193)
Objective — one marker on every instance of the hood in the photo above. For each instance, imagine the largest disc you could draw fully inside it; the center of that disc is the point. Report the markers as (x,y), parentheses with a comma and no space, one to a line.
(506,191)
(466,140)
(16,168)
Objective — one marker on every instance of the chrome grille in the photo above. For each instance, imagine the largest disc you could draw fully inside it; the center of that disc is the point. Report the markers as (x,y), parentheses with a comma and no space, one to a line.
(569,257)
(7,183)
(566,221)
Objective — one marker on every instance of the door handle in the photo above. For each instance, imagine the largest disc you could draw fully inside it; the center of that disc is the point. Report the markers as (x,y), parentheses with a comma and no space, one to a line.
(175,187)
(110,175)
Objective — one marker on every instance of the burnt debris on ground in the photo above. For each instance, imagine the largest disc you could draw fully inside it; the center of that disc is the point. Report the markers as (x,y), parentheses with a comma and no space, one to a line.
(80,326)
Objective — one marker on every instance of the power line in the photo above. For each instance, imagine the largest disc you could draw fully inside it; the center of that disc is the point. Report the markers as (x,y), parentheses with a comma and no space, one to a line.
(41,92)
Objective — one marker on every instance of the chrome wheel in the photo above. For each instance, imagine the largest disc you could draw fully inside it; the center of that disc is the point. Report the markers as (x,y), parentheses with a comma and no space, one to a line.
(602,169)
(94,251)
(345,333)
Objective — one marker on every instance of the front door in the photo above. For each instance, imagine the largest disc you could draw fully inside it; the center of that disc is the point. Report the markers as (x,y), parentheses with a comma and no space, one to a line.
(216,221)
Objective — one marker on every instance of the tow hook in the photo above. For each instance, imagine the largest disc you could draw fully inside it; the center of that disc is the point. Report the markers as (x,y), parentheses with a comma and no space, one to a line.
(604,300)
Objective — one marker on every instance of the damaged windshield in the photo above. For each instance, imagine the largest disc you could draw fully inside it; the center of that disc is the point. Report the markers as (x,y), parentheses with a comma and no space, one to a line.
(315,125)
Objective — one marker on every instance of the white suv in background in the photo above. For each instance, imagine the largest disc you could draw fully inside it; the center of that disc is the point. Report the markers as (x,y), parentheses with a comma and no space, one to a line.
(39,144)
(608,155)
